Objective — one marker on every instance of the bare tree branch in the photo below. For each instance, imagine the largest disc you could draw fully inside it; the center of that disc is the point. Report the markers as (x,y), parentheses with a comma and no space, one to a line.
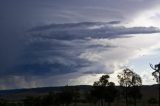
(152,67)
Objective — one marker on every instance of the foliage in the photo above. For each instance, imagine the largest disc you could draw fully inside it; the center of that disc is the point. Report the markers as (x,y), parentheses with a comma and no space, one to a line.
(128,78)
(110,93)
(104,90)
(156,73)
(130,81)
(103,81)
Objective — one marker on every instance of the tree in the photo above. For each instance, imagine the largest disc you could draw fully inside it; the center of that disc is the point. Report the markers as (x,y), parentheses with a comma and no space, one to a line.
(32,101)
(90,98)
(135,93)
(110,93)
(104,90)
(156,74)
(103,81)
(129,79)
(76,94)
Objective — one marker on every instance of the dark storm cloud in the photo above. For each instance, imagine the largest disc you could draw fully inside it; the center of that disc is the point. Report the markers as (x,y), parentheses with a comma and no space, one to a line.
(84,30)
(81,25)
(55,49)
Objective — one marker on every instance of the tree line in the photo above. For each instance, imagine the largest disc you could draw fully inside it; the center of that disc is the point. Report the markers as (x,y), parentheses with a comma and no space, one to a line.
(102,93)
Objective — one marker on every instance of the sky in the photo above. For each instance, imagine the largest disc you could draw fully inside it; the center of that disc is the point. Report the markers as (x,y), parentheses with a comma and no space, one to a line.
(74,42)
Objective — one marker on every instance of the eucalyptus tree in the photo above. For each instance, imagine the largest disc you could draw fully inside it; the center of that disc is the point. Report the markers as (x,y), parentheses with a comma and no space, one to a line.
(130,81)
(104,90)
(156,74)
(110,93)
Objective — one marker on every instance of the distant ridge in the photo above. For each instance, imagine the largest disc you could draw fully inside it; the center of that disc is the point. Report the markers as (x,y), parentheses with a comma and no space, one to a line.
(58,88)
(41,89)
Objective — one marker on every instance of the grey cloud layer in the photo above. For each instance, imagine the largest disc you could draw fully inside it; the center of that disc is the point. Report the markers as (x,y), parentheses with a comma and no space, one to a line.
(57,49)
(88,30)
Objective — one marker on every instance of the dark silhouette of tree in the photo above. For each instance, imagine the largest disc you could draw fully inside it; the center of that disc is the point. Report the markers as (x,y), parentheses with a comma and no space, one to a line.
(104,90)
(98,93)
(90,98)
(64,98)
(110,93)
(32,101)
(156,74)
(99,88)
(134,93)
(103,81)
(129,79)
(75,93)
(3,102)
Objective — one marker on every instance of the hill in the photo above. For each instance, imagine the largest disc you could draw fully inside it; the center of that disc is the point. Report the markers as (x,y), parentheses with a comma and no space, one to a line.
(148,91)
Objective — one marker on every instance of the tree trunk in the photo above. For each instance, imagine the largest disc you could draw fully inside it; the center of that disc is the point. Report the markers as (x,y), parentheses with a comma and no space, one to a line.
(126,96)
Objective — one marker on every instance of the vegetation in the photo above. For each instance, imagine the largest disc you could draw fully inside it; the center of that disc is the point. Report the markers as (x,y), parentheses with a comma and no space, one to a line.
(102,93)
(130,82)
(156,74)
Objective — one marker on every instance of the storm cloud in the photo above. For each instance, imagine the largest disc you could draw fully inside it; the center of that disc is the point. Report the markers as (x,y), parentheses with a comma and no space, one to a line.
(79,48)
(86,30)
(57,48)
(50,43)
